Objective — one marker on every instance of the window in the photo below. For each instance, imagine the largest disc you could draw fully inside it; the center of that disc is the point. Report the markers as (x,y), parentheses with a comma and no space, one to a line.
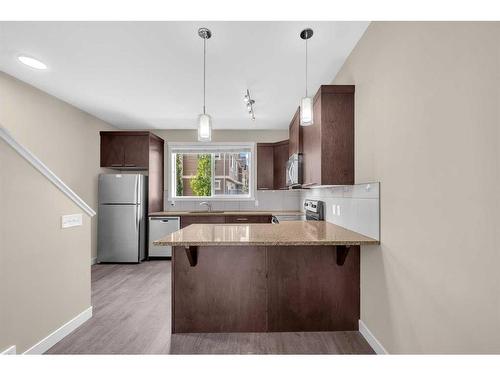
(211,171)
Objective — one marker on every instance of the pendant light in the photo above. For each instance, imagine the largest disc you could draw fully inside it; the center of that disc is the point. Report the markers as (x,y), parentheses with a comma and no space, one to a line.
(204,120)
(306,104)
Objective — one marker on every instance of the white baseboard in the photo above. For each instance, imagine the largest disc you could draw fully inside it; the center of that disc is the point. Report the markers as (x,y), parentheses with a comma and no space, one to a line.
(45,344)
(10,350)
(372,340)
(93,261)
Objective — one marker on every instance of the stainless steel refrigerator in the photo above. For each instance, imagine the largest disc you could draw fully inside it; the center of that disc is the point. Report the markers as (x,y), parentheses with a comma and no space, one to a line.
(121,232)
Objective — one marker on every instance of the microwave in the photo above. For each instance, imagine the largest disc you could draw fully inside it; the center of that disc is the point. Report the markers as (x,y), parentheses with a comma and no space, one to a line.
(294,171)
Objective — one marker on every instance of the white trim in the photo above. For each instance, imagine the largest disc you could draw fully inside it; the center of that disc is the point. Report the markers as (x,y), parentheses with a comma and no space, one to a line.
(93,261)
(9,351)
(43,169)
(173,147)
(48,342)
(371,339)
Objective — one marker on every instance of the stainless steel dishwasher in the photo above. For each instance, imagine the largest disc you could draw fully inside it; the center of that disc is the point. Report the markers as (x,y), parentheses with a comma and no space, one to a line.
(159,227)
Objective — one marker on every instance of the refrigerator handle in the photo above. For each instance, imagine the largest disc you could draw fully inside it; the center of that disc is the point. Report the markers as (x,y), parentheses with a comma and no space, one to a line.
(137,188)
(138,200)
(137,217)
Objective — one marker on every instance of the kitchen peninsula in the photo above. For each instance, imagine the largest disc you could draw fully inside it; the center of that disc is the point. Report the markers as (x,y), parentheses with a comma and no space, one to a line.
(293,276)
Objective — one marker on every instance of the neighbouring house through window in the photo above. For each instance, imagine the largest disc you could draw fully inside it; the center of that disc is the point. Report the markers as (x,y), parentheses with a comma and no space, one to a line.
(215,171)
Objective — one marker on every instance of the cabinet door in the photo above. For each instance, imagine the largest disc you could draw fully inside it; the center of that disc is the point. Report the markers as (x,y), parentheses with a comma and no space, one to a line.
(136,153)
(112,154)
(280,160)
(311,148)
(265,166)
(201,219)
(294,131)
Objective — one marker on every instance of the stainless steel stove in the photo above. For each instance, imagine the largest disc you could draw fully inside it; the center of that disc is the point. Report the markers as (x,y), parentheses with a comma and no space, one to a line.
(315,210)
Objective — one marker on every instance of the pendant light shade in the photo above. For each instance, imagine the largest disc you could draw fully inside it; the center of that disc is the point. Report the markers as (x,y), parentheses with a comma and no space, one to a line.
(306,111)
(306,104)
(204,128)
(204,120)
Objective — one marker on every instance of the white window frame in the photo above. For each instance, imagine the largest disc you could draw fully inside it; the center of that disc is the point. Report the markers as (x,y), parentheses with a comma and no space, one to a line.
(175,147)
(217,184)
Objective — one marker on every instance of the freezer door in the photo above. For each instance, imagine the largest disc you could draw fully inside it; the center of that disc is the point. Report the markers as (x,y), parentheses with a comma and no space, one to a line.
(120,188)
(118,233)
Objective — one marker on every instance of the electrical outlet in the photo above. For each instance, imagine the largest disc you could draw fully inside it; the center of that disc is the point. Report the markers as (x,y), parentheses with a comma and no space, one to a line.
(256,203)
(68,221)
(334,209)
(338,210)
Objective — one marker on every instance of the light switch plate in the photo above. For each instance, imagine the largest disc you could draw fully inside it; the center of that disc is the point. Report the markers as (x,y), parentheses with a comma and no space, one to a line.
(74,220)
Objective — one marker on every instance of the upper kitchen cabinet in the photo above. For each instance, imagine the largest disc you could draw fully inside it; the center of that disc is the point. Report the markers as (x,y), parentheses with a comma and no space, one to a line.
(271,165)
(295,135)
(280,156)
(136,150)
(265,166)
(127,150)
(328,144)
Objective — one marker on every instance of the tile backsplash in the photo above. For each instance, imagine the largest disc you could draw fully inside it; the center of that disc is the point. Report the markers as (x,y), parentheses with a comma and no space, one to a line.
(269,200)
(355,207)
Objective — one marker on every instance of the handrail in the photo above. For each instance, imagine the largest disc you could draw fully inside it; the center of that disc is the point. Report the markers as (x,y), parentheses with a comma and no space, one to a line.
(43,169)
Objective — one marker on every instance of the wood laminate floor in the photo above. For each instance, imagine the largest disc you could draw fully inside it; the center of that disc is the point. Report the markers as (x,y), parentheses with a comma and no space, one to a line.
(131,315)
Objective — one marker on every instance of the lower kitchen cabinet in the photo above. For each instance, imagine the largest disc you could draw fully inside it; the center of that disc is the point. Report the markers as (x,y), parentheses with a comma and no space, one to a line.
(220,219)
(247,219)
(202,219)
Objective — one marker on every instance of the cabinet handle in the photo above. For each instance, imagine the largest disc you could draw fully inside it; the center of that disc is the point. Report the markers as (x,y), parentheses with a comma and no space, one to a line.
(241,219)
(130,165)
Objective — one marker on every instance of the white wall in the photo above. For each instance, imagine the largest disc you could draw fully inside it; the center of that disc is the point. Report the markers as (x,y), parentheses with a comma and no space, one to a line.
(267,200)
(355,207)
(427,127)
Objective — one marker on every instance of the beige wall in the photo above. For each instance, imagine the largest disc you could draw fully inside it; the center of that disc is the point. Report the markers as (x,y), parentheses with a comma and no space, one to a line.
(44,270)
(65,138)
(427,128)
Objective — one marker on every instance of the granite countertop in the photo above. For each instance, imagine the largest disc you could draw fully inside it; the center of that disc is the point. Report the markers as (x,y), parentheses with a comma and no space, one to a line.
(226,213)
(290,233)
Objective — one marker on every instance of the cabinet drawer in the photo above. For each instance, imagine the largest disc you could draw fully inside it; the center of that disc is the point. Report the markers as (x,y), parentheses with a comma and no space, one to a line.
(201,219)
(245,219)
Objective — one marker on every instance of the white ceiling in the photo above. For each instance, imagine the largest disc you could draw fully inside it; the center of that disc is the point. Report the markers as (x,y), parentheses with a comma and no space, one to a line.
(149,74)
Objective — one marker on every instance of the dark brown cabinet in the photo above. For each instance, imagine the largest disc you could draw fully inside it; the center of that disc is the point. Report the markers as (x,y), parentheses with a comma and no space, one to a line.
(126,150)
(265,166)
(247,219)
(295,134)
(271,165)
(136,150)
(279,164)
(202,219)
(328,144)
(219,219)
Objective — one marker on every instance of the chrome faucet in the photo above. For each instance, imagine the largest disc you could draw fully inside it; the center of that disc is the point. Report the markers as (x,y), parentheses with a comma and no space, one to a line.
(209,206)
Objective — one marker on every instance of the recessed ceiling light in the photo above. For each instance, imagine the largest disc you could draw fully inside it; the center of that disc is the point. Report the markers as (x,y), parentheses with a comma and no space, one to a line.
(32,62)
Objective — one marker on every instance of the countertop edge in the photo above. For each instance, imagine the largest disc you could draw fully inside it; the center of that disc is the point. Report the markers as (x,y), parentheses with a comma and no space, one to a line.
(315,243)
(225,213)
